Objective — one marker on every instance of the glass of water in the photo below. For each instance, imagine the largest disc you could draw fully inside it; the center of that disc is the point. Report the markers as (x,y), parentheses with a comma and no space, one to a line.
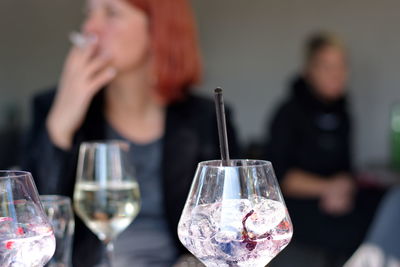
(59,212)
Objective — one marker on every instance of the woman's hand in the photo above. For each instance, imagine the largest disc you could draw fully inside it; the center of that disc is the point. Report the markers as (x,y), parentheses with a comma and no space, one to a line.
(84,74)
(338,197)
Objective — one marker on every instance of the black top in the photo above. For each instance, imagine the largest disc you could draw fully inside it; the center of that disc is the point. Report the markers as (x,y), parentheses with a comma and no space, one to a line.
(190,137)
(314,136)
(153,244)
(310,134)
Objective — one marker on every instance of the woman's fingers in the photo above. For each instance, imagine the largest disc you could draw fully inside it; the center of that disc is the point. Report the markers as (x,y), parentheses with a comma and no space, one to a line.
(80,56)
(337,204)
(89,51)
(96,65)
(102,78)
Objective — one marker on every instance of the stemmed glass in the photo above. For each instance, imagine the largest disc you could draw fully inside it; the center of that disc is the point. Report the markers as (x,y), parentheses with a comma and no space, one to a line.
(26,236)
(235,214)
(106,193)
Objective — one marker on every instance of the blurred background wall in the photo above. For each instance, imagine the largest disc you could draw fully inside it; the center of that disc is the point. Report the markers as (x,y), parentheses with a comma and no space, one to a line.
(251,48)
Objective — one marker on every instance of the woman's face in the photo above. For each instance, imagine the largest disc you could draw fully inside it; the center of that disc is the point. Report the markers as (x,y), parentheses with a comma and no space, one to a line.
(122,32)
(327,72)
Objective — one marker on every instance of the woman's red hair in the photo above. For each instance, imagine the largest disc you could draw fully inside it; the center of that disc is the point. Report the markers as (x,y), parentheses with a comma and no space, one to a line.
(174,46)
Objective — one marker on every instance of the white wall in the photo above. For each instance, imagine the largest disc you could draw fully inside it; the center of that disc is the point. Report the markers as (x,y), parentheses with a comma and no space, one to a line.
(250,47)
(33,43)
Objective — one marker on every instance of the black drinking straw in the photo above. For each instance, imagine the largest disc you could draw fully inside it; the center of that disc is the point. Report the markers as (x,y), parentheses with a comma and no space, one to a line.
(221,121)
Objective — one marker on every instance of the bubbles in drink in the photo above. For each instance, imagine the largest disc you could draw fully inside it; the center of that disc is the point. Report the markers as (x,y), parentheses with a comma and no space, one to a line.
(236,232)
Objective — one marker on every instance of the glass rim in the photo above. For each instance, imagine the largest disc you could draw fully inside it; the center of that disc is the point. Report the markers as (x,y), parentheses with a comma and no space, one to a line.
(105,142)
(10,174)
(248,163)
(55,199)
(123,145)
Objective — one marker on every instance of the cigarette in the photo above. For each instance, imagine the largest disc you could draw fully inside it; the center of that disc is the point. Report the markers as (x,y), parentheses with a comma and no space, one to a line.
(81,40)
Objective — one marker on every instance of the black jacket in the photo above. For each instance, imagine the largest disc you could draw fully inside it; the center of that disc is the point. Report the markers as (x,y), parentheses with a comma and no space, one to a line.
(314,136)
(309,134)
(190,137)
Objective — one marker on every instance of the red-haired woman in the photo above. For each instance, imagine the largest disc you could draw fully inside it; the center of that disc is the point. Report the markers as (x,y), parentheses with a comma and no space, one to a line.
(131,82)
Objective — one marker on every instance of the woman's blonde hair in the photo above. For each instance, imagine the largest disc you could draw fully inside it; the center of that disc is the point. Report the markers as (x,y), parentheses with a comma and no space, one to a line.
(320,41)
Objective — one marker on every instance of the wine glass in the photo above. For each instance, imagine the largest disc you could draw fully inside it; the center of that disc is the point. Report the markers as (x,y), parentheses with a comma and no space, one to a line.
(106,195)
(235,215)
(26,235)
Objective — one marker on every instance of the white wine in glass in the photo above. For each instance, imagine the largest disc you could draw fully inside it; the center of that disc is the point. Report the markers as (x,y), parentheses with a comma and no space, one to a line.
(106,193)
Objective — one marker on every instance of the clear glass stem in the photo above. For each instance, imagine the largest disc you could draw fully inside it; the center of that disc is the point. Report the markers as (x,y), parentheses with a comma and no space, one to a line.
(109,256)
